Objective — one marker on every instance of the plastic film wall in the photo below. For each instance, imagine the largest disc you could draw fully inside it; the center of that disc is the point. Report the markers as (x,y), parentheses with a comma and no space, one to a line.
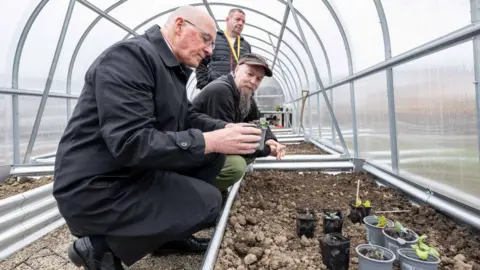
(363,62)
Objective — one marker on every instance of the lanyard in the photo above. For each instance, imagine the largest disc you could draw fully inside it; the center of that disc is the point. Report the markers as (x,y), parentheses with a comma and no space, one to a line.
(236,55)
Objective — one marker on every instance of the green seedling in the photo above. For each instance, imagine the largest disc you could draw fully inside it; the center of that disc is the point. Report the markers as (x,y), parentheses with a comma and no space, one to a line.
(263,122)
(332,215)
(358,203)
(423,250)
(382,222)
(399,227)
(375,254)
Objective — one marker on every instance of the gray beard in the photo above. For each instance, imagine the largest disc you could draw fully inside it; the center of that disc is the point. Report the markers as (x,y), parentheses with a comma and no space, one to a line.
(245,103)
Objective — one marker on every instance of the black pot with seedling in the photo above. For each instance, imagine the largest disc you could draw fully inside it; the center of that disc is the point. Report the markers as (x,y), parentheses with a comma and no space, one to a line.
(374,228)
(306,222)
(374,257)
(419,256)
(398,237)
(335,249)
(359,210)
(262,124)
(332,221)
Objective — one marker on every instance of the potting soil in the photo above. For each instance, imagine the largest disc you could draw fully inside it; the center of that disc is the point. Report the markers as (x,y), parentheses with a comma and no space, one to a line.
(261,231)
(304,149)
(373,255)
(408,236)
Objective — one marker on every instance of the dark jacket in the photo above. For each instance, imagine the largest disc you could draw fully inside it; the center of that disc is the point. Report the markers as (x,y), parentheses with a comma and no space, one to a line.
(221,61)
(132,120)
(220,100)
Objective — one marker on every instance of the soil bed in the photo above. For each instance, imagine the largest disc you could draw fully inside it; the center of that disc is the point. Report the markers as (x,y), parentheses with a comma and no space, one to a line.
(13,186)
(261,232)
(304,149)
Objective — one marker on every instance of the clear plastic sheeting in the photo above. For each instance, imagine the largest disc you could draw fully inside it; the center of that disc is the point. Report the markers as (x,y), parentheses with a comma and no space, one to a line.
(399,98)
(436,119)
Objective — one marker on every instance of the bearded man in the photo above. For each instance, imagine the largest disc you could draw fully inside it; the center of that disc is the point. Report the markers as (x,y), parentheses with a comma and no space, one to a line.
(229,98)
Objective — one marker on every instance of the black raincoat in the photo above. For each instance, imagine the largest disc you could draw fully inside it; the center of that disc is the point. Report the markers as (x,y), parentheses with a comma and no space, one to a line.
(131,161)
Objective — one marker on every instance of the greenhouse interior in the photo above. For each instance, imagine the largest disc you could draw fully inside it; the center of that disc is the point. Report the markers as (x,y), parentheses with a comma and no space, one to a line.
(374,107)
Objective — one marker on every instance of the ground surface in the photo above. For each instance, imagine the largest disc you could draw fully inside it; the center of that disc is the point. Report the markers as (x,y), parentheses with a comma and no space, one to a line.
(261,230)
(50,253)
(304,149)
(14,186)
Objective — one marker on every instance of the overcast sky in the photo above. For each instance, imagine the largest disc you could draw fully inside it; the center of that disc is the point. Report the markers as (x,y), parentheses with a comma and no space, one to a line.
(411,23)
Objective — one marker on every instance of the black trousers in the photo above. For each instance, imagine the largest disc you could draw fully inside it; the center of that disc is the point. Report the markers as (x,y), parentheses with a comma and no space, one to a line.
(191,204)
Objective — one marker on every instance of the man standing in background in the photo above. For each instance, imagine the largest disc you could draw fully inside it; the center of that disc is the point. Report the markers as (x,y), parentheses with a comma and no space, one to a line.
(229,47)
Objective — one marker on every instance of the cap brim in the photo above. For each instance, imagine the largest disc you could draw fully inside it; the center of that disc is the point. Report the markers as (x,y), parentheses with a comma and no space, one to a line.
(268,71)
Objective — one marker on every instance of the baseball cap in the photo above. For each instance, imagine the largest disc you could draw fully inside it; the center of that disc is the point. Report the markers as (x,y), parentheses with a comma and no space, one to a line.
(256,60)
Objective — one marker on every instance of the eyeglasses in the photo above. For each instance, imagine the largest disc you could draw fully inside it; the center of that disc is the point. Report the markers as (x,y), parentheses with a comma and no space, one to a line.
(207,38)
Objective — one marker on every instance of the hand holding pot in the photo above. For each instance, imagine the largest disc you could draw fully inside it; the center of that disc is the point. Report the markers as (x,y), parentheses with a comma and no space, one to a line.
(232,140)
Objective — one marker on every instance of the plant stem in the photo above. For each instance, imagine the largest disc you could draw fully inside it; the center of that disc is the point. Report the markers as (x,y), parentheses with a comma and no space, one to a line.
(358,189)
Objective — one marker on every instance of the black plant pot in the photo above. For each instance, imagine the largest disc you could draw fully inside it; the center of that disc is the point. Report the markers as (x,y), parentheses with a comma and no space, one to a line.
(358,213)
(306,223)
(335,249)
(331,224)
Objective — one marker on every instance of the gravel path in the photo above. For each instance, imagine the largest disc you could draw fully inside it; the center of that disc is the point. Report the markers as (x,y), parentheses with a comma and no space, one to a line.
(50,253)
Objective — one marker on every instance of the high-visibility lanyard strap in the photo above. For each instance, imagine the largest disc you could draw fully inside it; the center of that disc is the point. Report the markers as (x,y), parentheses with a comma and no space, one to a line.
(236,55)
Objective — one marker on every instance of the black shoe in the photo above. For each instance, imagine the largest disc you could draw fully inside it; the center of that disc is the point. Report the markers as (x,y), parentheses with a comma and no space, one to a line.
(190,245)
(82,253)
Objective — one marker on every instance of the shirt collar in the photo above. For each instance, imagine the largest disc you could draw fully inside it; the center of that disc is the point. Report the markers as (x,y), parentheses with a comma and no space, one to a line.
(164,49)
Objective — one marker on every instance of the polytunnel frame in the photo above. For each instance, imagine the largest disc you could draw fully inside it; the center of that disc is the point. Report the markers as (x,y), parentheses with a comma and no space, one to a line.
(450,206)
(132,32)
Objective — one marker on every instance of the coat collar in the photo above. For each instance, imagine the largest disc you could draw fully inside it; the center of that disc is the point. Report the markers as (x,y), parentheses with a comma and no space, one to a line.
(162,47)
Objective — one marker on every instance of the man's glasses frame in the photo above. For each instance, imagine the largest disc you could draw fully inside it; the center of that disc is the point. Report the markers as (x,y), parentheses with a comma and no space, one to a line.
(207,38)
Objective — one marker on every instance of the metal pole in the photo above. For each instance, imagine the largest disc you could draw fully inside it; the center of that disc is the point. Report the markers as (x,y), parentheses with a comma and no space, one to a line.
(207,6)
(319,117)
(435,45)
(319,81)
(48,85)
(390,85)
(280,66)
(77,49)
(212,251)
(284,55)
(282,30)
(106,16)
(15,71)
(339,23)
(333,109)
(475,14)
(280,62)
(34,93)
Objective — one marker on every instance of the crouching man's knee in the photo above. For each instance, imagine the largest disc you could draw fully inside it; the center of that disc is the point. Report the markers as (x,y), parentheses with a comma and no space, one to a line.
(232,171)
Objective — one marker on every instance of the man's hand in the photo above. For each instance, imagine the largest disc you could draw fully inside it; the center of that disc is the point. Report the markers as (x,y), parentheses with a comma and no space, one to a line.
(276,149)
(233,140)
(231,125)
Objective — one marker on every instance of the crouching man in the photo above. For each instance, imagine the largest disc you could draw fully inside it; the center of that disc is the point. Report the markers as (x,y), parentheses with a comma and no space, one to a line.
(134,167)
(228,98)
